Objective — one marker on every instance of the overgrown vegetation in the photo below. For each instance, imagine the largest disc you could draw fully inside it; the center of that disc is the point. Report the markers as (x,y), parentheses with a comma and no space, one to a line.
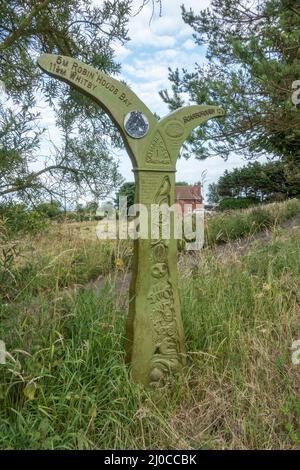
(230,203)
(232,225)
(64,256)
(59,256)
(18,219)
(65,385)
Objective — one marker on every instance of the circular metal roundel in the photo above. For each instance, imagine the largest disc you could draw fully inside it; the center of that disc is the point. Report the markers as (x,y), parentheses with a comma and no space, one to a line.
(136,124)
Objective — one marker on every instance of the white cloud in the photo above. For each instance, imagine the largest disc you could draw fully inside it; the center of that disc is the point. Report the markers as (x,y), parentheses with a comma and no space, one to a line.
(157,45)
(165,25)
(146,71)
(146,37)
(165,42)
(153,30)
(122,52)
(189,44)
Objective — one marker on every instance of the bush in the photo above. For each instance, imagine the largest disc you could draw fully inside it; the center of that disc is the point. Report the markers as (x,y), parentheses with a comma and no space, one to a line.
(232,203)
(292,208)
(227,226)
(20,219)
(51,210)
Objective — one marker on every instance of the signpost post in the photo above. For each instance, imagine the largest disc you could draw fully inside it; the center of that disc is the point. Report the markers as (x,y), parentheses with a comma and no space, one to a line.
(154,335)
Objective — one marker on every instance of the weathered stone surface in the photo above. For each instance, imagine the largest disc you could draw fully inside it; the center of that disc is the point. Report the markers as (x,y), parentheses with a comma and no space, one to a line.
(154,334)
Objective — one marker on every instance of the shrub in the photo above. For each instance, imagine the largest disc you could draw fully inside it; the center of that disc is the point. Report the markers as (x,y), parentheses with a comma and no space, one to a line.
(232,225)
(51,210)
(232,203)
(20,219)
(225,227)
(261,218)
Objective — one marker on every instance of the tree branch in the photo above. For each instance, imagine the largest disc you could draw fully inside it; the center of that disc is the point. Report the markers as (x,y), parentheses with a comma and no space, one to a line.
(28,182)
(23,25)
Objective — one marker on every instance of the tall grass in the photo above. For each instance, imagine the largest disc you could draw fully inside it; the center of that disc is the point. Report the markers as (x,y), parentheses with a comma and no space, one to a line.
(65,385)
(70,254)
(59,258)
(232,225)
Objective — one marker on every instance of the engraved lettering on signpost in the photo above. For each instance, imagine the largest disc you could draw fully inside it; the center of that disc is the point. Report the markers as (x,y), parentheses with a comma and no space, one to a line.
(154,335)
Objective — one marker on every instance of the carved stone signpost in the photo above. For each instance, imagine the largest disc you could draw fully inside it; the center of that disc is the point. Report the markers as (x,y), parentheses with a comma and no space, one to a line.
(155,338)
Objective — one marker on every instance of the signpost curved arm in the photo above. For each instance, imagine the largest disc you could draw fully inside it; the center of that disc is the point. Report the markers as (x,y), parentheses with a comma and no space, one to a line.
(154,336)
(117,99)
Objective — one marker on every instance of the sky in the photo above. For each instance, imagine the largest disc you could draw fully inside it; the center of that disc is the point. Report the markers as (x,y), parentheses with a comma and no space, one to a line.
(154,46)
(166,42)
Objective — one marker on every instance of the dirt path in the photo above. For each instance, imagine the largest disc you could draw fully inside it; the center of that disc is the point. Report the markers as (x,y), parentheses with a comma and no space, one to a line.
(120,281)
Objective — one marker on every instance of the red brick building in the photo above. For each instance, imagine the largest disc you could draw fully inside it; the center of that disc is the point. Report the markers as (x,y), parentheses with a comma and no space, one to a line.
(189,198)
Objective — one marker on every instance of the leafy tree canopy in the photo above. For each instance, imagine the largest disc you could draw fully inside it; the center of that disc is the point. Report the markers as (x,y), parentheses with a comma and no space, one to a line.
(269,181)
(253,52)
(126,190)
(213,193)
(81,162)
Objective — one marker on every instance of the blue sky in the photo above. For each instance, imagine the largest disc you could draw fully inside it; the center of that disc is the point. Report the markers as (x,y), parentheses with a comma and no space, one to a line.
(166,42)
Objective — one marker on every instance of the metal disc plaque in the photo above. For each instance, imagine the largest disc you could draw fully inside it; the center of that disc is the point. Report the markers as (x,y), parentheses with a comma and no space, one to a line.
(136,124)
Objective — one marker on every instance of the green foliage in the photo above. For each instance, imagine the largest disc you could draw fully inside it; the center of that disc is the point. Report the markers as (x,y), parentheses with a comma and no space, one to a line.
(51,210)
(74,28)
(91,207)
(269,181)
(230,203)
(262,219)
(213,194)
(29,28)
(291,208)
(232,225)
(19,219)
(65,384)
(59,258)
(9,251)
(126,190)
(71,266)
(90,211)
(253,59)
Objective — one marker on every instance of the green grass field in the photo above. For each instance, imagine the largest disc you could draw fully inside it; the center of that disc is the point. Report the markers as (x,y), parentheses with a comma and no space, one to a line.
(65,385)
